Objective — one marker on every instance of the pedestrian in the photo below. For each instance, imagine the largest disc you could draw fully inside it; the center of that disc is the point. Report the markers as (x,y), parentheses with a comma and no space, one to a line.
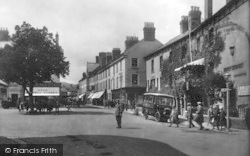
(174,116)
(223,121)
(190,115)
(216,117)
(118,113)
(210,114)
(199,115)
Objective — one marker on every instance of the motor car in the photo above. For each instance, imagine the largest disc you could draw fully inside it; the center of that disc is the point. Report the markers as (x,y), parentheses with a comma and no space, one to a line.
(7,104)
(158,106)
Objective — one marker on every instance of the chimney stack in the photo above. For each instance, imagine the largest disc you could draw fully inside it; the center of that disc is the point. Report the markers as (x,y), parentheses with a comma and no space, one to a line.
(108,57)
(102,59)
(4,34)
(184,24)
(116,53)
(149,31)
(97,59)
(194,17)
(208,9)
(130,41)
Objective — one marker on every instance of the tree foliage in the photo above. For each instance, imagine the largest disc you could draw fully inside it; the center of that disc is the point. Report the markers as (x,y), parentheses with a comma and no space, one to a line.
(33,56)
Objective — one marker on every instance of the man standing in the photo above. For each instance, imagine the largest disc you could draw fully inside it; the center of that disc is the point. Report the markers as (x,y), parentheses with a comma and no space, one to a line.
(189,115)
(199,115)
(174,116)
(118,113)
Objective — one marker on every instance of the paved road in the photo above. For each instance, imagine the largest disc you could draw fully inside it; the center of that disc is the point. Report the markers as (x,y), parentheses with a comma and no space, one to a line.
(92,131)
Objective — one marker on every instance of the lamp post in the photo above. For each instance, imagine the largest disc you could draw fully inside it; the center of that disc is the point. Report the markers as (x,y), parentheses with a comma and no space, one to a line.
(227,75)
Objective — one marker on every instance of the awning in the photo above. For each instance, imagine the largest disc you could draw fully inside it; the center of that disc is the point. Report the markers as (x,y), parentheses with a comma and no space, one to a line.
(196,62)
(94,95)
(80,96)
(90,96)
(98,95)
(3,83)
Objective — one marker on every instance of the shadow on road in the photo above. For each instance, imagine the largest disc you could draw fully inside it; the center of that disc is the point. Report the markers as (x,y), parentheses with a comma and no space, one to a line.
(75,145)
(131,128)
(70,113)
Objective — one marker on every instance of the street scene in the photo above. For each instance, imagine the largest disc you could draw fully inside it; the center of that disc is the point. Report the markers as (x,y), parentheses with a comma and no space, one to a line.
(91,130)
(134,77)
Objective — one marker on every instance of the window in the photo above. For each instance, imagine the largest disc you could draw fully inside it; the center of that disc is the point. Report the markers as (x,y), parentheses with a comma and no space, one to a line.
(117,82)
(116,67)
(134,62)
(120,81)
(152,66)
(171,57)
(183,52)
(134,79)
(109,84)
(211,35)
(157,82)
(161,62)
(121,66)
(198,43)
(152,84)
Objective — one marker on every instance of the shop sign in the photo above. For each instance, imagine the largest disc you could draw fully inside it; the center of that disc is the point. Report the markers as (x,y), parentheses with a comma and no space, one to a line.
(244,90)
(44,91)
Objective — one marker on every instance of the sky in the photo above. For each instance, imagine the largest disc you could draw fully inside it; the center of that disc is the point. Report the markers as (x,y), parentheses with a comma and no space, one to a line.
(87,27)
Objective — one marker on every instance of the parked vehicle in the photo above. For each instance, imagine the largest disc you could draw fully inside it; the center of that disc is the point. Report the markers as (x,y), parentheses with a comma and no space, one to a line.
(157,105)
(8,104)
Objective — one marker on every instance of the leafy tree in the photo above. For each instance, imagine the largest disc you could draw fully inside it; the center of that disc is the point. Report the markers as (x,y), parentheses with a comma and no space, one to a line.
(33,56)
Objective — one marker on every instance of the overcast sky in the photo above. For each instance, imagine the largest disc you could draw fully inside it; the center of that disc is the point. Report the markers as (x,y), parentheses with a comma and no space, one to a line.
(87,27)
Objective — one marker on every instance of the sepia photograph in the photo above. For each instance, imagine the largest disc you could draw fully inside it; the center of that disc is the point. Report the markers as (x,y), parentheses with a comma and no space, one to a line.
(124,78)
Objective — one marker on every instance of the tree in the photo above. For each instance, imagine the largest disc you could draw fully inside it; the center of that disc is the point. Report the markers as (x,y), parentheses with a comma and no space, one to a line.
(33,56)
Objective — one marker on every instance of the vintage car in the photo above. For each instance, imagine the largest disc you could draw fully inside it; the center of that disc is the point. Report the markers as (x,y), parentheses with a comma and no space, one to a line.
(158,106)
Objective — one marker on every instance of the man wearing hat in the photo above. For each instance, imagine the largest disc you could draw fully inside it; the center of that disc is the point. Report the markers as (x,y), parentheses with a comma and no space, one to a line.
(199,115)
(189,115)
(118,113)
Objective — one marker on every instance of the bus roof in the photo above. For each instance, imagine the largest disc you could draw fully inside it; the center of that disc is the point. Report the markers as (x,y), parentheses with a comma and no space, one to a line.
(159,94)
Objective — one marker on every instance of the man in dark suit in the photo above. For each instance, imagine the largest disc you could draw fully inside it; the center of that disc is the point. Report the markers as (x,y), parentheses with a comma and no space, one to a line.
(189,115)
(199,115)
(118,113)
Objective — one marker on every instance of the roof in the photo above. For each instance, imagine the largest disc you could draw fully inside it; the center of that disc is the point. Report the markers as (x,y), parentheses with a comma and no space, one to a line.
(159,94)
(147,47)
(215,18)
(171,41)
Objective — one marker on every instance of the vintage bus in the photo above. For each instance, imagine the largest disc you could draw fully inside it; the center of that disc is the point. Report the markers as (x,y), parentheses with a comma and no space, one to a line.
(158,106)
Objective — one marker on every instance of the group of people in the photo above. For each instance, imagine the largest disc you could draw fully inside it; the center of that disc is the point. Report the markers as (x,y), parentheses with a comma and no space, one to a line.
(198,117)
(217,117)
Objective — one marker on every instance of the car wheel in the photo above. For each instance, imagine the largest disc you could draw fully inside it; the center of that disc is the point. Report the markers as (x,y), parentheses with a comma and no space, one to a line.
(158,116)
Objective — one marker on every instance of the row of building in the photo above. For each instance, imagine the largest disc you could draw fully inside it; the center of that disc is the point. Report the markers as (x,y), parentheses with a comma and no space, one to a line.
(139,68)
